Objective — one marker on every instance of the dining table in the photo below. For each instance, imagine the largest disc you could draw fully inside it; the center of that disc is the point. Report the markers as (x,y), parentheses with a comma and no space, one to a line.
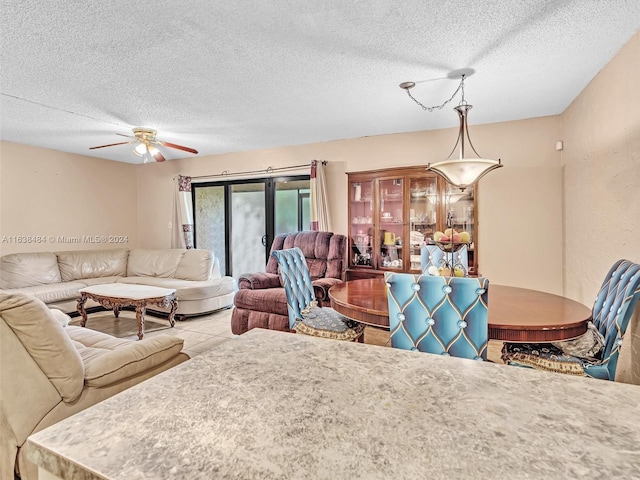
(276,405)
(515,314)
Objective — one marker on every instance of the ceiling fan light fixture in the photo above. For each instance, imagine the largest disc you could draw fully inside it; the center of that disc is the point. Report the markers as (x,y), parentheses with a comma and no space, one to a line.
(148,152)
(145,139)
(140,149)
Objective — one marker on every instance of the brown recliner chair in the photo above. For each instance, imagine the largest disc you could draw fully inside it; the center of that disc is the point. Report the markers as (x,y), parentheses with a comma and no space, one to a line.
(261,302)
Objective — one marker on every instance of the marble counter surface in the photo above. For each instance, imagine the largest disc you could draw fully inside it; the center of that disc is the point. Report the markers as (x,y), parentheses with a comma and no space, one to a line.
(273,405)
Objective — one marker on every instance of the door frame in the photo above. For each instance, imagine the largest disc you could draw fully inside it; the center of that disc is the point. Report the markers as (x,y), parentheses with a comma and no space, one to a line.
(269,204)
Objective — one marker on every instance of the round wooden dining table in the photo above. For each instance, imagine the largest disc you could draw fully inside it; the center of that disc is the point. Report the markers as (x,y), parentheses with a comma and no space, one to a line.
(515,314)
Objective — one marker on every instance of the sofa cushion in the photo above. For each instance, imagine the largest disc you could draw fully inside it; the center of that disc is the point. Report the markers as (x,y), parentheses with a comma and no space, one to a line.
(46,341)
(187,289)
(78,264)
(196,264)
(100,280)
(20,270)
(52,293)
(57,292)
(154,263)
(108,360)
(60,316)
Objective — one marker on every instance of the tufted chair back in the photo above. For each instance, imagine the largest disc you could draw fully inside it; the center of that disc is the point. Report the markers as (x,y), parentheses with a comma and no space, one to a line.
(297,282)
(431,255)
(443,315)
(325,252)
(614,306)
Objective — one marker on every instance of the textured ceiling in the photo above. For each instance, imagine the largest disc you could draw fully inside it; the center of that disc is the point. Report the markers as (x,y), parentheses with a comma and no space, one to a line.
(224,76)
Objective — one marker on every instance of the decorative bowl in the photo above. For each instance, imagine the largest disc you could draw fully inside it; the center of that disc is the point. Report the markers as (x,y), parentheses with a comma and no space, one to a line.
(450,246)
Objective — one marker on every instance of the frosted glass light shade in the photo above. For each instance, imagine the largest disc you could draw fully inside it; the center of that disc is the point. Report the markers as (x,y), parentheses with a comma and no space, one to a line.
(142,148)
(464,172)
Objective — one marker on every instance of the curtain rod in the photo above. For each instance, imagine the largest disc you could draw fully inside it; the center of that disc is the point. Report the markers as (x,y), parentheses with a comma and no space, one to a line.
(226,173)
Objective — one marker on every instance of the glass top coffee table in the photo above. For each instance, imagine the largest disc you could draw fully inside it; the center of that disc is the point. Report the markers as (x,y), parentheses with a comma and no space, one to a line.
(118,295)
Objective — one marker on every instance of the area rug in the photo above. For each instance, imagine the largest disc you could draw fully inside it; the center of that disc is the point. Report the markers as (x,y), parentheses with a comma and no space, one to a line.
(123,327)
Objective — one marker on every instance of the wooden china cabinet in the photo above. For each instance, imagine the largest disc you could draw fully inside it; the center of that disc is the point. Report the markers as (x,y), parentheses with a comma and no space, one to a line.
(393,212)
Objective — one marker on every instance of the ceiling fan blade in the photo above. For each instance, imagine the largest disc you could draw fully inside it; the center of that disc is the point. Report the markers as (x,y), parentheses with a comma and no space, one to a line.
(159,157)
(110,145)
(128,136)
(179,147)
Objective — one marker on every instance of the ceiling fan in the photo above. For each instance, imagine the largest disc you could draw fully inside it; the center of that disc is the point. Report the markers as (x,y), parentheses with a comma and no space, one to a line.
(146,140)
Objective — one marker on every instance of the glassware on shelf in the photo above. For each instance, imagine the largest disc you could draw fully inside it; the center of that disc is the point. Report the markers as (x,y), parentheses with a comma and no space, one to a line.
(362,259)
(360,231)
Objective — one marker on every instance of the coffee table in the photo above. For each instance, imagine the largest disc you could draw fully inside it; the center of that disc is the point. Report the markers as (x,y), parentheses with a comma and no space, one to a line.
(118,295)
(515,314)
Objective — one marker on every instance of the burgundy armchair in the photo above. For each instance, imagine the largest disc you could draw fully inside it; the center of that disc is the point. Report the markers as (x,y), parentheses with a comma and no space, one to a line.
(261,302)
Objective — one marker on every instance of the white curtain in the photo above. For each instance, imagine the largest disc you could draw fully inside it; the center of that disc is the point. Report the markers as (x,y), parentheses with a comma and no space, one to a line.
(183,214)
(320,220)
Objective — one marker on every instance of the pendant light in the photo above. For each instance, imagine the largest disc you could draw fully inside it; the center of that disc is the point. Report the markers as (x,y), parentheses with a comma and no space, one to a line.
(461,168)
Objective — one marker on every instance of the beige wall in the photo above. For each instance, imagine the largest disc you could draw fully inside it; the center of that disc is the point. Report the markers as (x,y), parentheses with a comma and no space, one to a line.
(520,231)
(52,194)
(601,166)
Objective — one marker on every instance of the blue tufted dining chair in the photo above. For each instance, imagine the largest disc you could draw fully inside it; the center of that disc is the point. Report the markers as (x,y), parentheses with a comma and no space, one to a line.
(612,309)
(304,314)
(443,315)
(432,255)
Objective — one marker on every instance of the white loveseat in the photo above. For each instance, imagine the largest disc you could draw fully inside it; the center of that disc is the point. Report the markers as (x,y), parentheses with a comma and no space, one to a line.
(56,278)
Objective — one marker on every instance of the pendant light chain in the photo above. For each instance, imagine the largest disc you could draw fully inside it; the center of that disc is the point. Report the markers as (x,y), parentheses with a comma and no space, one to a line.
(461,87)
(439,107)
(459,170)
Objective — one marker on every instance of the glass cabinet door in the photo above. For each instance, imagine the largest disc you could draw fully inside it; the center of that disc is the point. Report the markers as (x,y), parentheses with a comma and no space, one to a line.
(423,216)
(391,223)
(459,209)
(394,212)
(361,222)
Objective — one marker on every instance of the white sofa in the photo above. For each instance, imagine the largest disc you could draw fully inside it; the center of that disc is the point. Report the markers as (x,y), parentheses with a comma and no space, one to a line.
(56,278)
(49,371)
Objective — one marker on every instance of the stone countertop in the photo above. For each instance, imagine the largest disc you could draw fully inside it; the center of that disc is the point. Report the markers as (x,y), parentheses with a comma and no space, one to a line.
(277,405)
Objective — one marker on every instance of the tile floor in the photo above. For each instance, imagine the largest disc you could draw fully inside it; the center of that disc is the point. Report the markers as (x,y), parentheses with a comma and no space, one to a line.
(204,333)
(199,333)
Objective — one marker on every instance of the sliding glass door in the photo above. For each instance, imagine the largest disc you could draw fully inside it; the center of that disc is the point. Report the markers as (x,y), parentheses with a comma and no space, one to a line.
(248,221)
(239,219)
(210,215)
(292,205)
